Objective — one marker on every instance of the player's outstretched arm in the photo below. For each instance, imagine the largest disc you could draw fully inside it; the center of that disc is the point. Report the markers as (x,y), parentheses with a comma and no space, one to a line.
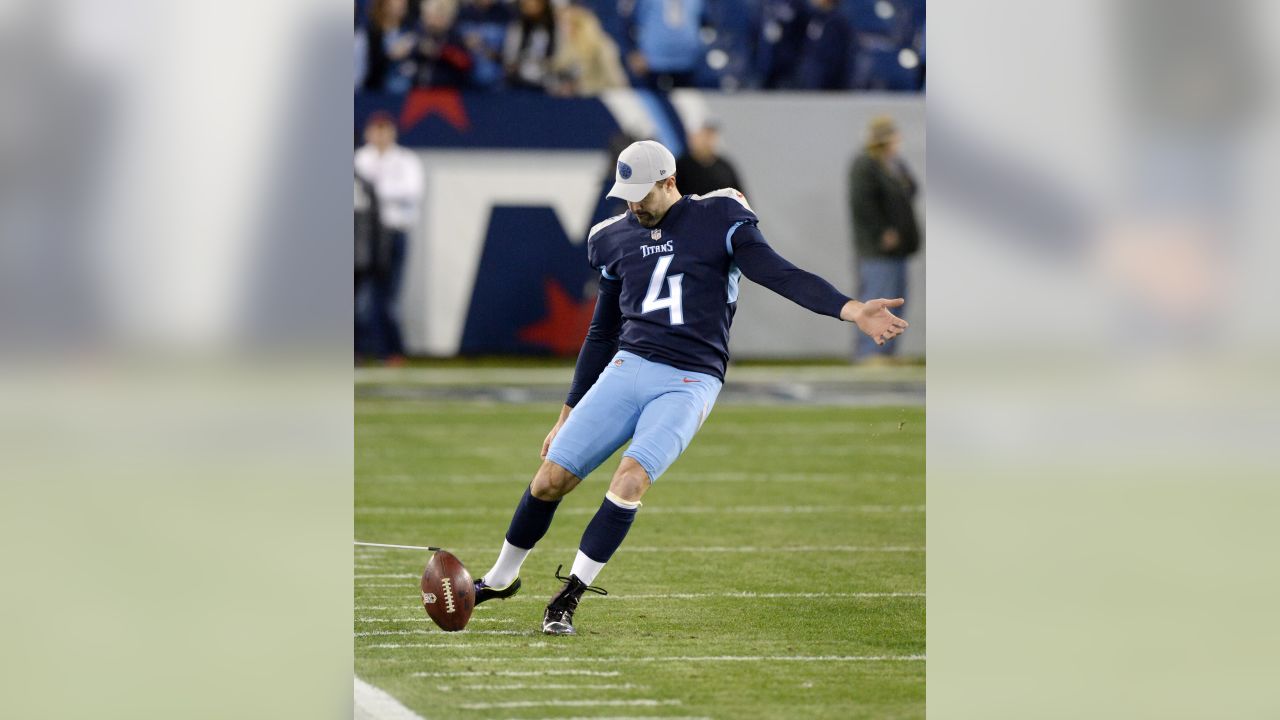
(874,319)
(761,264)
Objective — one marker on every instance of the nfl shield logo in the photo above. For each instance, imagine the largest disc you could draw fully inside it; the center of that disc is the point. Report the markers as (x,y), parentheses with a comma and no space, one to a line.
(656,234)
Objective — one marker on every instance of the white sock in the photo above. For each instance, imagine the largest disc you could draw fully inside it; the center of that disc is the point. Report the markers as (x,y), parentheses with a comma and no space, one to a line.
(507,568)
(585,568)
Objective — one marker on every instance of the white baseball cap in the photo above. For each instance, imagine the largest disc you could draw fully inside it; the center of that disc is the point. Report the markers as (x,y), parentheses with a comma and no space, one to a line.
(640,166)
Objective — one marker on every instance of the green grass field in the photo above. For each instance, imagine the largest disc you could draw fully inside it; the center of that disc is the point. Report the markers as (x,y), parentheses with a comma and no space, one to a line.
(777,570)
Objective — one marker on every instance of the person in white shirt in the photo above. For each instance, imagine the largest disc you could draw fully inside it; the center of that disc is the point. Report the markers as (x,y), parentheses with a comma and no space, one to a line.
(396,175)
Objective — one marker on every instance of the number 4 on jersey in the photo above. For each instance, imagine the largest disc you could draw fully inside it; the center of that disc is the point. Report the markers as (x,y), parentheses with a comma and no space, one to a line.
(672,301)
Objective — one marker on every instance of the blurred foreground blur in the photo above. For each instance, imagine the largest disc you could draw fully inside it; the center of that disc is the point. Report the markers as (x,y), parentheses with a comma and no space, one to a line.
(174,359)
(1102,385)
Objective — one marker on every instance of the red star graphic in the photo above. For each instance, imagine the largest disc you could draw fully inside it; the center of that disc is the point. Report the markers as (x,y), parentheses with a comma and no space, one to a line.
(564,326)
(425,102)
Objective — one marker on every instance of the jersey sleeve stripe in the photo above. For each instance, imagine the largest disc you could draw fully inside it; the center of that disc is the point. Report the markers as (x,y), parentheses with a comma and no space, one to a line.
(728,237)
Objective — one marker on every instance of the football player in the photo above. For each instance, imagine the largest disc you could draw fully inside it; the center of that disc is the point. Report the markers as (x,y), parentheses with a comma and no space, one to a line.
(654,358)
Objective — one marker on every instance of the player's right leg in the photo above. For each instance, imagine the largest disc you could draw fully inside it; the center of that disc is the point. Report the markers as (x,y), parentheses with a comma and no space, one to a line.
(602,421)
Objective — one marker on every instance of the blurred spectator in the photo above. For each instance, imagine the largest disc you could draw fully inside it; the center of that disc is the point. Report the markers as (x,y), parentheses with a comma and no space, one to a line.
(587,61)
(666,45)
(881,192)
(397,178)
(483,26)
(362,50)
(701,169)
(441,58)
(531,43)
(390,65)
(782,34)
(824,57)
(370,261)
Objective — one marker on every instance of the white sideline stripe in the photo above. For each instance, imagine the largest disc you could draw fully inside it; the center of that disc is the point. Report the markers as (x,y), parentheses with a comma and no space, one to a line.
(639,702)
(672,510)
(378,633)
(708,549)
(518,673)
(374,704)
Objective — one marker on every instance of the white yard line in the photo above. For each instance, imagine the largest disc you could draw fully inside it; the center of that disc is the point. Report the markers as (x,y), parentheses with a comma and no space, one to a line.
(621,718)
(703,549)
(675,476)
(397,646)
(378,633)
(704,658)
(512,704)
(374,704)
(661,510)
(545,686)
(420,617)
(518,673)
(745,594)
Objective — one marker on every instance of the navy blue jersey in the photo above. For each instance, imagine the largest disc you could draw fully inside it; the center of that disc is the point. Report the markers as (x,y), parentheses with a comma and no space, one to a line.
(669,293)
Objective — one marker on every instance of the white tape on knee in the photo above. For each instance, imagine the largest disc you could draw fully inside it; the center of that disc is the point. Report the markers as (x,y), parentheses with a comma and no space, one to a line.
(625,504)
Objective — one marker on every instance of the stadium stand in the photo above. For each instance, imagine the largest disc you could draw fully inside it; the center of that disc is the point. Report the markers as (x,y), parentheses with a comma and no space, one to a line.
(744,44)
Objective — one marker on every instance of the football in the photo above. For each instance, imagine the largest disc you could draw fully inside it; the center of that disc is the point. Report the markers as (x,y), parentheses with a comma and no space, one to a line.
(448,593)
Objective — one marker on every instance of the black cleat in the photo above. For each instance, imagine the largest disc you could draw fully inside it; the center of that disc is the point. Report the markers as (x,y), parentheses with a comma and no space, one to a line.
(484,592)
(558,619)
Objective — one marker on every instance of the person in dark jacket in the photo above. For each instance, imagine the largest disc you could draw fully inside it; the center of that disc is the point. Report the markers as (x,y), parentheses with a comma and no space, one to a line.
(701,169)
(881,195)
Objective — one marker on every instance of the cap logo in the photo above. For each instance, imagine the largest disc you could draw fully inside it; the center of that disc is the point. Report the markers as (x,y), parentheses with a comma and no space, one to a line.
(624,170)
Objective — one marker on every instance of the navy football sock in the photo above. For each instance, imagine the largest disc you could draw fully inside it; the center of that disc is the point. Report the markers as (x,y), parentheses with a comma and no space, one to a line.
(603,535)
(531,520)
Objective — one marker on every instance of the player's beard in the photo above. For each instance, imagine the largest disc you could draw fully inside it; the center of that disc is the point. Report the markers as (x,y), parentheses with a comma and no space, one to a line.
(647,219)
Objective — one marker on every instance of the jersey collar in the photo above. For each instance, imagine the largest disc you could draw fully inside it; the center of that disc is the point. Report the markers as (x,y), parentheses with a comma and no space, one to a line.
(676,208)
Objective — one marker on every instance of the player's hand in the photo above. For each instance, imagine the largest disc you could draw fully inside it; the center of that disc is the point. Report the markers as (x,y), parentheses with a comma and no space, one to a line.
(874,319)
(889,240)
(546,444)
